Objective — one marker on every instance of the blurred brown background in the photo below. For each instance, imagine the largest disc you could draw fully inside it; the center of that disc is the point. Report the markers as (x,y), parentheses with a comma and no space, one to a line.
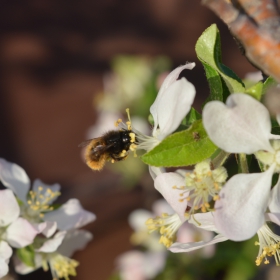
(53,55)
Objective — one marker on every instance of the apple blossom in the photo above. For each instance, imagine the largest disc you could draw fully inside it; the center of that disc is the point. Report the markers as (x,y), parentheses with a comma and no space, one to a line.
(242,125)
(14,230)
(56,252)
(172,104)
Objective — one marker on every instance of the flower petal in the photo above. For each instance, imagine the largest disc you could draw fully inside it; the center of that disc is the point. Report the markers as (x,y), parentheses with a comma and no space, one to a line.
(273,217)
(239,212)
(241,126)
(4,268)
(169,80)
(174,105)
(54,188)
(20,233)
(164,184)
(47,228)
(52,244)
(139,265)
(274,203)
(138,218)
(203,221)
(9,208)
(155,171)
(73,241)
(14,178)
(187,247)
(5,251)
(22,268)
(70,215)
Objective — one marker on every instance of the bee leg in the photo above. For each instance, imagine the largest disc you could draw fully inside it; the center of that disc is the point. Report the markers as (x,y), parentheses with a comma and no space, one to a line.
(116,158)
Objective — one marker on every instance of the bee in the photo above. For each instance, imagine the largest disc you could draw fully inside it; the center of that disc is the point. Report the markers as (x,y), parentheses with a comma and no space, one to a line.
(113,146)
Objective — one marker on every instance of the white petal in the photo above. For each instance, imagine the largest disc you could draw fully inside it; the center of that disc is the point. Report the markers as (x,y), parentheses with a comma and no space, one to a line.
(173,106)
(52,244)
(4,268)
(47,228)
(161,206)
(164,184)
(155,171)
(239,212)
(5,250)
(274,203)
(138,218)
(73,241)
(9,208)
(22,268)
(14,178)
(203,221)
(54,188)
(70,215)
(169,80)
(187,247)
(20,233)
(241,126)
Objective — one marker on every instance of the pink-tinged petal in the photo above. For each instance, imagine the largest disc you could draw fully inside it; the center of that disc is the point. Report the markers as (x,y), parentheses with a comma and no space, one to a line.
(52,244)
(241,126)
(22,268)
(137,265)
(74,240)
(164,183)
(274,202)
(9,208)
(188,247)
(173,106)
(14,178)
(20,233)
(239,212)
(273,217)
(203,221)
(47,228)
(70,215)
(169,80)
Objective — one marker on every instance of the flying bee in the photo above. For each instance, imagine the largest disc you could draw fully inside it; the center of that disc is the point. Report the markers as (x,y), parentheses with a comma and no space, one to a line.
(114,145)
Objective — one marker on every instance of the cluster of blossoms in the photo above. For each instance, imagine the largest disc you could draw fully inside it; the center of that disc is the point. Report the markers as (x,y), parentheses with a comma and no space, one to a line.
(42,234)
(235,208)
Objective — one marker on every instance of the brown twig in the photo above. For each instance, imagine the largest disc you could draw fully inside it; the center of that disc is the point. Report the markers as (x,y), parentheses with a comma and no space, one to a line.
(256,28)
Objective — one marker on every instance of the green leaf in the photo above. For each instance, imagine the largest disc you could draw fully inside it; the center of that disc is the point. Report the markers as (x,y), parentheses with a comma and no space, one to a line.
(269,82)
(192,116)
(208,50)
(256,90)
(183,148)
(27,255)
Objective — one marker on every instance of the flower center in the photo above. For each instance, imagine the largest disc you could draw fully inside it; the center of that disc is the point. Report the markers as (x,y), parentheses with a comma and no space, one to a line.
(167,226)
(269,245)
(62,267)
(202,185)
(39,202)
(268,158)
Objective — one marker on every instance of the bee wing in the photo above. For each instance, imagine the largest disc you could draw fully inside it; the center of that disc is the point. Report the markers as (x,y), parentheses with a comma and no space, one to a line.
(85,143)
